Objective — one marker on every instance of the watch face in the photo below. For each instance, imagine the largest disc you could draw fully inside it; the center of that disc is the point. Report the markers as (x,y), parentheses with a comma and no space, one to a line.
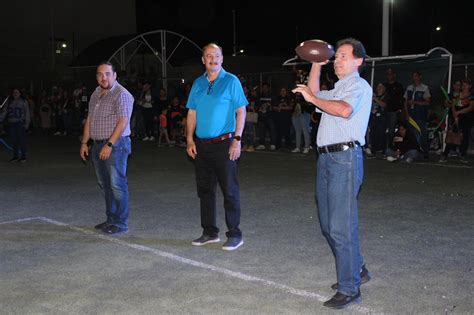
(238,138)
(109,144)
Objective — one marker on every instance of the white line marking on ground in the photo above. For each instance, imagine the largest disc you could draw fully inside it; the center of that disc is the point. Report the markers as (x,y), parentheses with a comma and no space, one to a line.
(224,271)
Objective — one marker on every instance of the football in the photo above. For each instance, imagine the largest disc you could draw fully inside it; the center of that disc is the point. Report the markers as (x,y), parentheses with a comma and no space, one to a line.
(315,50)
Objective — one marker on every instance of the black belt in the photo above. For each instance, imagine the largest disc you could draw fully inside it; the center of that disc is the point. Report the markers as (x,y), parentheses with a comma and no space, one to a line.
(216,139)
(343,146)
(106,140)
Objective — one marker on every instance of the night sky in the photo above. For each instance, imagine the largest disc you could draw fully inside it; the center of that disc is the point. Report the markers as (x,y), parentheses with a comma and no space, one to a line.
(265,28)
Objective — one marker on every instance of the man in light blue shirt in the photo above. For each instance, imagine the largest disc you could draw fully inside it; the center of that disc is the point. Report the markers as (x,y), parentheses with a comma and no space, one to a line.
(340,170)
(214,127)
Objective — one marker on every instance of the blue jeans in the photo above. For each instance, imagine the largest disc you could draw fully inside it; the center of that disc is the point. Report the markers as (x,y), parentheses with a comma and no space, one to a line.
(112,179)
(338,180)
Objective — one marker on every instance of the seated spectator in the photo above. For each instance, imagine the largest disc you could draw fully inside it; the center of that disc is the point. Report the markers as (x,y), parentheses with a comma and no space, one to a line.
(405,146)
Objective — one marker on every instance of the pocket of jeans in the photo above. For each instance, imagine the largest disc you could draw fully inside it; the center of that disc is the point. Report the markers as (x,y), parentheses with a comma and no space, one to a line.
(342,157)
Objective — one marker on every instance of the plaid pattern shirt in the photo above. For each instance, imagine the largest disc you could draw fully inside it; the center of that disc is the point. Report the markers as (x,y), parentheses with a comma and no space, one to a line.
(105,112)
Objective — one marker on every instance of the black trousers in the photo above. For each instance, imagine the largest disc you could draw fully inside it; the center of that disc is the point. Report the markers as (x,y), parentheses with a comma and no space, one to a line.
(213,167)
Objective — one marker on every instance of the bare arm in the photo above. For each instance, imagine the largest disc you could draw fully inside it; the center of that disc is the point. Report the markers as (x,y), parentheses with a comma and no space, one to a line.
(190,128)
(235,147)
(84,151)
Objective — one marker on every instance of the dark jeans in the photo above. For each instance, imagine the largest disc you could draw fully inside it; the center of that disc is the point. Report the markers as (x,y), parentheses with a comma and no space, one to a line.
(214,166)
(112,179)
(17,134)
(378,126)
(282,127)
(262,127)
(148,120)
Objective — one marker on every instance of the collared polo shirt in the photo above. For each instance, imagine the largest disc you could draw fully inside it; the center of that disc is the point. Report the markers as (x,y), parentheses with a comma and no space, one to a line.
(215,104)
(355,91)
(105,112)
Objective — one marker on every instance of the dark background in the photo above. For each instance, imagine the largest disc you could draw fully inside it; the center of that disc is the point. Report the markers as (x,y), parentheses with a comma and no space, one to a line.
(275,29)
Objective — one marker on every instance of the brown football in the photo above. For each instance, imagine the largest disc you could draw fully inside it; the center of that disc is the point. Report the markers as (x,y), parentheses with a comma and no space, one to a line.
(315,50)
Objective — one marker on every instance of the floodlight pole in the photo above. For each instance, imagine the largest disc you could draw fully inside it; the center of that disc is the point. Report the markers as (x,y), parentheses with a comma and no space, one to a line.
(386,27)
(234,53)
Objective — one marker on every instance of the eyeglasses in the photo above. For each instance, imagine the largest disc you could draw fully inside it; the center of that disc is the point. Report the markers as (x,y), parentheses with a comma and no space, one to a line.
(209,88)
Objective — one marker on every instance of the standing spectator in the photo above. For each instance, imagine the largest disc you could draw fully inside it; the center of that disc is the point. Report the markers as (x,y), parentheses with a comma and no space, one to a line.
(462,109)
(108,126)
(417,103)
(301,124)
(282,117)
(250,126)
(394,103)
(215,123)
(17,114)
(378,122)
(164,127)
(146,101)
(45,114)
(340,170)
(265,118)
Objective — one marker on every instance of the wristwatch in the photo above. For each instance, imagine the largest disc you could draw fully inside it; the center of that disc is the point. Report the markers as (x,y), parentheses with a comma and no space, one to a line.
(109,144)
(238,138)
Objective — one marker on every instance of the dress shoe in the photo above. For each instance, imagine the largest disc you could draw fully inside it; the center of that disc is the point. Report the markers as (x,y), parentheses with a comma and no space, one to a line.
(364,277)
(101,226)
(339,300)
(114,230)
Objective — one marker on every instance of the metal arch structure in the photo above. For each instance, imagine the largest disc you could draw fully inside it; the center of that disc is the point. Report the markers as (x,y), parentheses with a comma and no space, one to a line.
(122,59)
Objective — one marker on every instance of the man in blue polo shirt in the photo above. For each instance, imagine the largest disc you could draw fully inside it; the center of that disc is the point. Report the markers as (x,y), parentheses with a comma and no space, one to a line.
(215,123)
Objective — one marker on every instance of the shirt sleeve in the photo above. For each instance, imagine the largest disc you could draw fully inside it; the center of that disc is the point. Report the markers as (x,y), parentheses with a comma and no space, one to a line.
(125,105)
(191,103)
(353,95)
(238,95)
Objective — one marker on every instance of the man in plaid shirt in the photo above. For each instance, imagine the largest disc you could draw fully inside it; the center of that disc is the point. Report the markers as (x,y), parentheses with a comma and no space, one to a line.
(108,126)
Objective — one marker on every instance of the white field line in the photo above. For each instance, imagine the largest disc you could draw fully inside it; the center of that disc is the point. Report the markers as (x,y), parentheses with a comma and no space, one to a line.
(183,260)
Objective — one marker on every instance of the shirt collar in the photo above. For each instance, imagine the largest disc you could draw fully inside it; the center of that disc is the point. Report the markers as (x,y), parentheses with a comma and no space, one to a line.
(221,74)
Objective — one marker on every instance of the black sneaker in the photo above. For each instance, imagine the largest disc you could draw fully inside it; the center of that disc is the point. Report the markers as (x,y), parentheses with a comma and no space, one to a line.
(101,226)
(114,230)
(13,159)
(339,300)
(364,277)
(232,243)
(205,239)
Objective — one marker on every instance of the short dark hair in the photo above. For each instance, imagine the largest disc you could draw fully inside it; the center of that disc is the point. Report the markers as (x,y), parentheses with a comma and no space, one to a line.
(358,49)
(108,63)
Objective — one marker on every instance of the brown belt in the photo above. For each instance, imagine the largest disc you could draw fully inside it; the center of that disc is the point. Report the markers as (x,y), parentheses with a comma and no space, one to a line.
(216,139)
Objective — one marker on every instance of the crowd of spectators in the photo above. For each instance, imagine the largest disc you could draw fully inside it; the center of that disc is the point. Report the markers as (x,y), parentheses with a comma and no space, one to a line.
(276,118)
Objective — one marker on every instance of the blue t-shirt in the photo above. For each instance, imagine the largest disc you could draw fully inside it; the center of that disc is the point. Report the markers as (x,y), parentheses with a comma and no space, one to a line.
(215,104)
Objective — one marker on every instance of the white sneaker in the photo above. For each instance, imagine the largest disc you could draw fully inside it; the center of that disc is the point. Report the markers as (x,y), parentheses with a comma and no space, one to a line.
(273,147)
(261,147)
(391,158)
(296,150)
(57,133)
(305,150)
(151,138)
(146,139)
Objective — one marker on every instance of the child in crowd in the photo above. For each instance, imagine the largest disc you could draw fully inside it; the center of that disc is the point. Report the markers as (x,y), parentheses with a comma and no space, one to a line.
(164,127)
